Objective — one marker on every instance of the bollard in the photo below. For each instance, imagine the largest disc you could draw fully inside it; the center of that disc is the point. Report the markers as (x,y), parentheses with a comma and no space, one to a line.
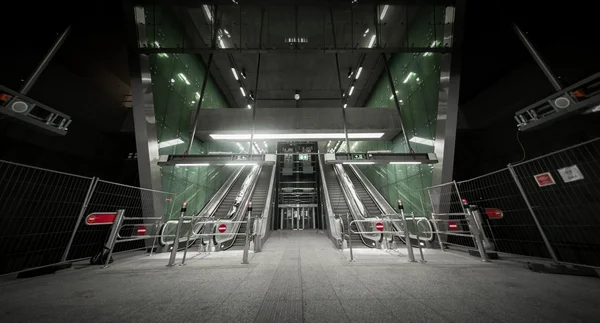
(350,238)
(248,233)
(412,214)
(259,237)
(112,238)
(411,255)
(475,231)
(177,233)
(187,245)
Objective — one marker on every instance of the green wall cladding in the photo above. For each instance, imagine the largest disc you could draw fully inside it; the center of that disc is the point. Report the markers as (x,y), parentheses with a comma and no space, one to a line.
(176,85)
(416,79)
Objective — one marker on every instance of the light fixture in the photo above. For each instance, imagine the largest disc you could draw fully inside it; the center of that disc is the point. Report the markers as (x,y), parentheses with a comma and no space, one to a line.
(297,96)
(193,101)
(227,33)
(285,136)
(183,78)
(249,106)
(384,11)
(351,90)
(197,95)
(251,95)
(222,43)
(345,105)
(422,141)
(358,162)
(243,92)
(366,32)
(243,73)
(408,77)
(172,80)
(358,73)
(235,74)
(406,163)
(169,143)
(372,42)
(191,164)
(207,12)
(240,164)
(350,72)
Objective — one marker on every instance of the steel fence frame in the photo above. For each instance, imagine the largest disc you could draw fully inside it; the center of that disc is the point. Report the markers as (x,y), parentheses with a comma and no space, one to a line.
(548,205)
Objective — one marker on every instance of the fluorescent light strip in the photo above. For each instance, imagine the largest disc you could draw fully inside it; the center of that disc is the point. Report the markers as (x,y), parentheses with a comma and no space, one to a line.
(222,43)
(351,90)
(235,74)
(422,141)
(243,92)
(240,164)
(183,78)
(366,135)
(197,96)
(383,12)
(169,143)
(345,105)
(358,73)
(406,163)
(410,75)
(191,164)
(359,162)
(207,12)
(249,106)
(372,41)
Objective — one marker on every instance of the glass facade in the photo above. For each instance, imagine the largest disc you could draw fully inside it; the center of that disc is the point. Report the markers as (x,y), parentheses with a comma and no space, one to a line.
(416,79)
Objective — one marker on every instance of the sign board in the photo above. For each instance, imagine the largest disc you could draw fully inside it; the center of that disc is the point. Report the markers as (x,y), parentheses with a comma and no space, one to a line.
(570,174)
(379,226)
(141,230)
(303,157)
(494,214)
(222,227)
(544,179)
(100,218)
(452,226)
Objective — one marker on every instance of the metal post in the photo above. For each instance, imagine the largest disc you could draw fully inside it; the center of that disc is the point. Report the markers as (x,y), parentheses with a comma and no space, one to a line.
(412,214)
(411,255)
(112,238)
(44,63)
(86,202)
(262,19)
(396,102)
(437,231)
(537,223)
(337,65)
(476,233)
(177,234)
(187,245)
(537,58)
(247,242)
(258,243)
(350,238)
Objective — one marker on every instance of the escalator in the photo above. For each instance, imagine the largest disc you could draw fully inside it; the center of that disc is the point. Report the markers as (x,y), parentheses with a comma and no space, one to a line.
(366,199)
(340,205)
(227,202)
(259,200)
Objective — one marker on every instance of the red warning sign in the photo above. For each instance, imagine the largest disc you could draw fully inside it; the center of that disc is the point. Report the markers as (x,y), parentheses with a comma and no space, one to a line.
(222,227)
(141,231)
(379,226)
(453,226)
(544,179)
(100,218)
(494,213)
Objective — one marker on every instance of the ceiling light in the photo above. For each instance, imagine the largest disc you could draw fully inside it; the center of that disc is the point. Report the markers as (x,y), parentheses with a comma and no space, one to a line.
(183,78)
(243,92)
(406,163)
(359,162)
(351,90)
(345,105)
(422,141)
(285,136)
(156,44)
(243,73)
(197,95)
(227,33)
(234,74)
(408,77)
(358,73)
(249,106)
(366,32)
(372,42)
(193,101)
(207,12)
(221,43)
(350,72)
(240,164)
(169,143)
(297,96)
(172,80)
(383,12)
(191,164)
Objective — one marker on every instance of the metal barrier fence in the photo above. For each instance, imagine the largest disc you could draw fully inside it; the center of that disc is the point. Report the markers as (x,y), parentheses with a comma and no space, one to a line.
(42,215)
(546,207)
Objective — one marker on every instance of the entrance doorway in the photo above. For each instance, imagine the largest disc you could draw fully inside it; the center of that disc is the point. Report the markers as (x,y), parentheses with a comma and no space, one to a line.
(300,217)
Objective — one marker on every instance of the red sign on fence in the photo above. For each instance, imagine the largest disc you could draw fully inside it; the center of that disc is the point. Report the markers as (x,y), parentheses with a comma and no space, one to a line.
(141,230)
(544,179)
(453,226)
(494,213)
(379,226)
(222,227)
(100,218)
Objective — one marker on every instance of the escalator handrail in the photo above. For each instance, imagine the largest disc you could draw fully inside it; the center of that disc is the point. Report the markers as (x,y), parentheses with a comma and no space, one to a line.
(267,209)
(334,229)
(215,200)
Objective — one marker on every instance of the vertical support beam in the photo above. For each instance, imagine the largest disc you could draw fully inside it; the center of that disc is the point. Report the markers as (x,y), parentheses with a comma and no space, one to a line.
(396,102)
(447,117)
(337,65)
(44,62)
(262,19)
(539,60)
(143,110)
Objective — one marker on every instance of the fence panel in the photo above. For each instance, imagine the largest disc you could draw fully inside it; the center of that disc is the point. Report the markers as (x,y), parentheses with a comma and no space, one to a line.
(38,212)
(515,231)
(106,197)
(563,190)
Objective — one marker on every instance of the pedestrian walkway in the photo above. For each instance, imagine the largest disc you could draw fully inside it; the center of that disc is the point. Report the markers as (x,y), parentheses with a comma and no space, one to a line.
(300,277)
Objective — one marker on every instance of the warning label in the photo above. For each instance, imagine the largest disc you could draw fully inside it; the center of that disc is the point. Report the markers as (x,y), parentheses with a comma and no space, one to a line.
(570,174)
(544,179)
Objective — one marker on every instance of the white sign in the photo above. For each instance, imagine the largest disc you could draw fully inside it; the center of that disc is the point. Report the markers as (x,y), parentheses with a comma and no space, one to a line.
(570,174)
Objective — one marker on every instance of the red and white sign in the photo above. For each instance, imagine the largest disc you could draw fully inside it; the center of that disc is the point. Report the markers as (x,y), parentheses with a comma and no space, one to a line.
(494,214)
(100,218)
(141,230)
(544,179)
(379,226)
(222,227)
(453,226)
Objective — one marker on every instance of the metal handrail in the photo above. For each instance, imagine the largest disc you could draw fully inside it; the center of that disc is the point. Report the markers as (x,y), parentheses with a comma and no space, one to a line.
(334,229)
(267,208)
(216,199)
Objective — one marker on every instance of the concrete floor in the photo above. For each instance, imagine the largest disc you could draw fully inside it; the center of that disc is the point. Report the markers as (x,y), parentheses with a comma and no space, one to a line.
(300,277)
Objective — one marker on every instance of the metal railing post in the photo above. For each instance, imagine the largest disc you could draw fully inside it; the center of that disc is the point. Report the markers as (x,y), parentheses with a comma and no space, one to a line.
(411,255)
(86,202)
(259,236)
(350,237)
(537,223)
(248,233)
(177,234)
(412,214)
(187,245)
(475,231)
(112,238)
